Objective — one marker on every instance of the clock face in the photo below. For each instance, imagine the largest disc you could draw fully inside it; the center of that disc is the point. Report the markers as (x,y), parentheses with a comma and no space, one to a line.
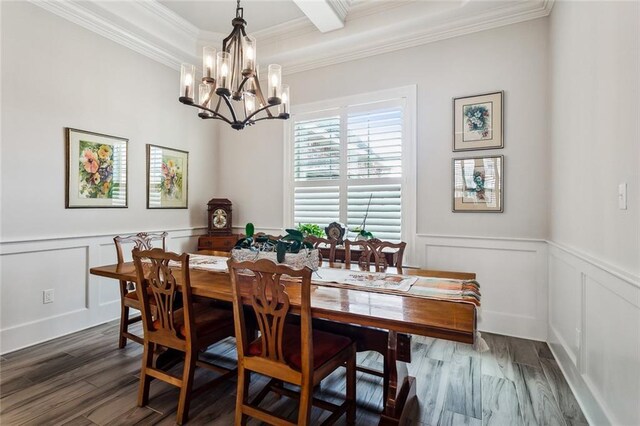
(219,218)
(334,233)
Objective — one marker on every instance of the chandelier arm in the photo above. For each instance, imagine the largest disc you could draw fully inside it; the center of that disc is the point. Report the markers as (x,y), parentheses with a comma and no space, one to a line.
(273,117)
(216,114)
(234,117)
(264,108)
(218,105)
(261,96)
(237,65)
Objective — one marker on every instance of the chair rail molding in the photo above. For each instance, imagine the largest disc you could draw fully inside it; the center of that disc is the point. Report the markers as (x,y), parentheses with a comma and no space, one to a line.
(62,264)
(594,333)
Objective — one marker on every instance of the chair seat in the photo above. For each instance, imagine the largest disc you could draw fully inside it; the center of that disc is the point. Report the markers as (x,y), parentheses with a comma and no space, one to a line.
(208,320)
(325,346)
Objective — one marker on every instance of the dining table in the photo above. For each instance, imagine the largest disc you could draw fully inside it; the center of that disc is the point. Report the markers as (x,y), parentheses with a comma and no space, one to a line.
(376,320)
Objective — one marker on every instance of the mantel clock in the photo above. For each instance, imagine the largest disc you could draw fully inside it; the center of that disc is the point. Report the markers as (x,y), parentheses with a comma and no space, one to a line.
(219,211)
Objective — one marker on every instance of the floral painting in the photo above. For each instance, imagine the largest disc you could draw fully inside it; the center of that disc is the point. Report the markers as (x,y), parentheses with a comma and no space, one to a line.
(477,184)
(167,174)
(171,183)
(478,122)
(96,170)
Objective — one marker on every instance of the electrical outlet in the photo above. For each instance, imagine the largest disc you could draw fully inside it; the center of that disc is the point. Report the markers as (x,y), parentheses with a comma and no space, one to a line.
(47,296)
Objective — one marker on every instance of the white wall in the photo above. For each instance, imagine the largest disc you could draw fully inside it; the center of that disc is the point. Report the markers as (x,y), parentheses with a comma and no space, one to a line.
(594,255)
(54,75)
(595,130)
(513,59)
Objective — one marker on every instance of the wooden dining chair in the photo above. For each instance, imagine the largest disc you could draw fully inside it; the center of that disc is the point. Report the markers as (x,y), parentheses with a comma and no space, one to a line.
(329,244)
(128,296)
(180,324)
(373,249)
(285,352)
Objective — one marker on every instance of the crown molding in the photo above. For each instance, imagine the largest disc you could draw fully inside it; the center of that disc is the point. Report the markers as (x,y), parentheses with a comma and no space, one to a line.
(340,7)
(171,18)
(373,28)
(127,33)
(492,18)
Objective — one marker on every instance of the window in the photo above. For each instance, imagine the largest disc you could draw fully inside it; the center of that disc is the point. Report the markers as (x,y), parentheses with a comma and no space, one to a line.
(352,158)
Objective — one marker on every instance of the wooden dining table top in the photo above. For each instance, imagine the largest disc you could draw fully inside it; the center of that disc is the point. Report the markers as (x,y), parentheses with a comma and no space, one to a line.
(452,320)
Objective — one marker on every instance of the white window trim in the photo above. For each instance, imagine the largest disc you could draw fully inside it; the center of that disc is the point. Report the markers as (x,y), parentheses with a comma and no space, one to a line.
(409,156)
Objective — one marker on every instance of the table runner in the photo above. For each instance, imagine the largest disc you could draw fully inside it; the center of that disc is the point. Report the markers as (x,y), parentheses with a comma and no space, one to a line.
(427,287)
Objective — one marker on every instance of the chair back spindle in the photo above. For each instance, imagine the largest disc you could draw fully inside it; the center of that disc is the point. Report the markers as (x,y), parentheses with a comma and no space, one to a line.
(141,241)
(157,280)
(270,302)
(375,248)
(319,242)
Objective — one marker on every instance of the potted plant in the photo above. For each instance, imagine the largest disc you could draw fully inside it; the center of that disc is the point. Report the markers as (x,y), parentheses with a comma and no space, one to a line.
(290,249)
(310,229)
(361,231)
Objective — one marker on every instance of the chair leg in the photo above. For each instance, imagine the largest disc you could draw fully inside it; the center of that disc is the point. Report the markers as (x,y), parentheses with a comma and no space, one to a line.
(145,380)
(306,397)
(184,400)
(242,395)
(351,388)
(124,324)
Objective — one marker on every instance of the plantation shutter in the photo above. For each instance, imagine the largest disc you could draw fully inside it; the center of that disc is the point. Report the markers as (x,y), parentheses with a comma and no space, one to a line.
(348,160)
(317,149)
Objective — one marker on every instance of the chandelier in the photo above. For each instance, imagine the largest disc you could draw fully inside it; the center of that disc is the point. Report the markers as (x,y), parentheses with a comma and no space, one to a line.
(230,90)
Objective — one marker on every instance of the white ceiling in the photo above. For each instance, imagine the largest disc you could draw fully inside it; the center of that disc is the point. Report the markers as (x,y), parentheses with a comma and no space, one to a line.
(298,34)
(216,15)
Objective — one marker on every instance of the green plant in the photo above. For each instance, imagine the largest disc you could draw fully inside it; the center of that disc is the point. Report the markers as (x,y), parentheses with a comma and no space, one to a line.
(311,229)
(293,242)
(362,232)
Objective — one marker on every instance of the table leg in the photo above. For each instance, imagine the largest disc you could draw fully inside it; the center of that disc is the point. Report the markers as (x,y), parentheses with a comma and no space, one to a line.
(400,388)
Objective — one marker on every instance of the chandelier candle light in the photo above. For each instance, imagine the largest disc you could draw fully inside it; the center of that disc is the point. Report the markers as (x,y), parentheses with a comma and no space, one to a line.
(232,77)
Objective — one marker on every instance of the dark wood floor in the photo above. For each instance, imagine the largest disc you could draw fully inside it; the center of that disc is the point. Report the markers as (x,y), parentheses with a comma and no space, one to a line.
(83,379)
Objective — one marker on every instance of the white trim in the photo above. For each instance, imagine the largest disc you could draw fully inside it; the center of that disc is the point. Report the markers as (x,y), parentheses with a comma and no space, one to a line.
(477,237)
(592,407)
(42,325)
(5,246)
(157,32)
(154,46)
(407,95)
(622,274)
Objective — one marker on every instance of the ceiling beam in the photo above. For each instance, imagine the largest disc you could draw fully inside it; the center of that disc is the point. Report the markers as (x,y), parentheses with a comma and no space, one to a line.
(326,15)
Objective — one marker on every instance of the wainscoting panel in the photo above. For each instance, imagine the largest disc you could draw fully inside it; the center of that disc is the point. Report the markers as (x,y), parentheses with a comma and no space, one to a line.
(565,302)
(26,275)
(594,332)
(512,275)
(80,299)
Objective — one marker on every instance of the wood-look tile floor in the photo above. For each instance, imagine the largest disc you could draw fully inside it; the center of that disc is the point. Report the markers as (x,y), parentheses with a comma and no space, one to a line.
(84,379)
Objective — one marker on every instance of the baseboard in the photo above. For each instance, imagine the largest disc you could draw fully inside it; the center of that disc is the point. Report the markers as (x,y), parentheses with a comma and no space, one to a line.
(512,325)
(61,264)
(592,408)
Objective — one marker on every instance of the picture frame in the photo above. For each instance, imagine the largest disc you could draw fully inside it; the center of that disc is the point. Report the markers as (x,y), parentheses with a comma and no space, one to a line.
(96,170)
(478,122)
(478,184)
(167,178)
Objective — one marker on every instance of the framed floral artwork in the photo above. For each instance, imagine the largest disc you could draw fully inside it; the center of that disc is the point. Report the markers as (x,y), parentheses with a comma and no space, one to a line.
(477,122)
(478,184)
(167,178)
(96,170)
